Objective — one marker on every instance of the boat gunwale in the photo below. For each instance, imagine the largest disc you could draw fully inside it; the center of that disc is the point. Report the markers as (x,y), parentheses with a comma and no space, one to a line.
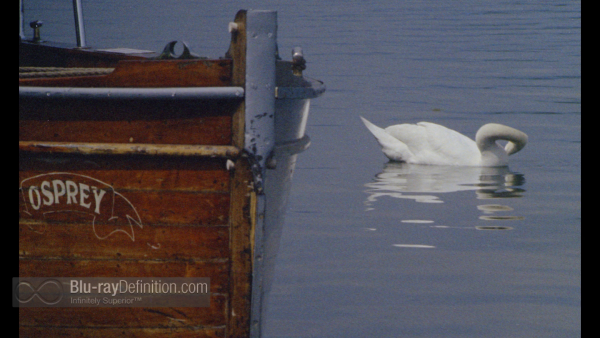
(229,152)
(118,93)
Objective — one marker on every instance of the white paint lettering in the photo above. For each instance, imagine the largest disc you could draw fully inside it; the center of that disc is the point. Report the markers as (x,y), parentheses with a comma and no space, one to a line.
(49,192)
(98,194)
(71,192)
(34,205)
(57,193)
(84,190)
(49,197)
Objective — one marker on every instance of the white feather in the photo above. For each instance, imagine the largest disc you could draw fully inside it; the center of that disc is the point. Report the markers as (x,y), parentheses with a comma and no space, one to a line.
(430,143)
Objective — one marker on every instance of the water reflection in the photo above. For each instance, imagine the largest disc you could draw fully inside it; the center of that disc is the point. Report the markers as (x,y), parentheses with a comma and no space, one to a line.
(429,184)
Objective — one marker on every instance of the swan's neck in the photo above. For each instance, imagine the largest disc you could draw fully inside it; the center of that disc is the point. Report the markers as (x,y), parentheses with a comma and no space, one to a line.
(492,154)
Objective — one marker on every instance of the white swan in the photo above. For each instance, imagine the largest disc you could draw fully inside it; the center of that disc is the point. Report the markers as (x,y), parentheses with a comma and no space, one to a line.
(430,143)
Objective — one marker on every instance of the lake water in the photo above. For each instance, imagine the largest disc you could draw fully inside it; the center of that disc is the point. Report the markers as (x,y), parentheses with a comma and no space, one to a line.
(376,249)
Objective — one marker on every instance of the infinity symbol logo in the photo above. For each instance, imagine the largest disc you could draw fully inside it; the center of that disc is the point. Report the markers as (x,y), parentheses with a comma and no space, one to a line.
(49,292)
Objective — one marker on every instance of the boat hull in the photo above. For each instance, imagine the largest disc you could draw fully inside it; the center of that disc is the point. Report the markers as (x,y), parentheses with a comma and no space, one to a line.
(121,178)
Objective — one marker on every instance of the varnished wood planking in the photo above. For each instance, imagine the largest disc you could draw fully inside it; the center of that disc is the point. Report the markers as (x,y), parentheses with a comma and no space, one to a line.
(173,332)
(129,110)
(184,196)
(211,130)
(172,249)
(147,74)
(135,173)
(141,109)
(185,208)
(237,51)
(144,120)
(78,241)
(46,55)
(148,179)
(154,207)
(126,318)
(242,211)
(206,122)
(137,149)
(67,249)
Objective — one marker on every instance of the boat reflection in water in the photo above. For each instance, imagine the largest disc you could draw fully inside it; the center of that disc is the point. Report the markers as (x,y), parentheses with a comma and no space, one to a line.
(429,184)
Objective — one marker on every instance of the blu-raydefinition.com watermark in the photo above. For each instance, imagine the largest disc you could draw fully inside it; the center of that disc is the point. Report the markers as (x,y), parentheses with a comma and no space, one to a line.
(111,292)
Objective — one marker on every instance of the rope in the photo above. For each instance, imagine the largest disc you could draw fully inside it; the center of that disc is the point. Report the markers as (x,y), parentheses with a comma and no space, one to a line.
(31,72)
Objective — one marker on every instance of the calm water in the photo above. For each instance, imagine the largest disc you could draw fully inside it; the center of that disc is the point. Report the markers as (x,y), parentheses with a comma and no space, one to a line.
(374,249)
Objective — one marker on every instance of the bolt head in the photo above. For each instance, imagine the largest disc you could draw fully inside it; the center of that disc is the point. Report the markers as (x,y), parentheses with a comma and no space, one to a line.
(36,24)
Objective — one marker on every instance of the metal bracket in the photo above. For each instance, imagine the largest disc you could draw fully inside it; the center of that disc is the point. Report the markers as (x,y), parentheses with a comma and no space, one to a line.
(36,25)
(298,61)
(259,138)
(261,53)
(168,52)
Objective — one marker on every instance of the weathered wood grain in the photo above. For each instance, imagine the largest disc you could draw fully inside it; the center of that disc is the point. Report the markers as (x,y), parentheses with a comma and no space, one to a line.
(170,215)
(210,130)
(126,318)
(79,241)
(47,55)
(179,177)
(36,332)
(140,149)
(148,74)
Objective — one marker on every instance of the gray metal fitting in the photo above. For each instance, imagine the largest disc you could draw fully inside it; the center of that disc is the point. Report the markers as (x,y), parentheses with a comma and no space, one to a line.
(298,61)
(36,30)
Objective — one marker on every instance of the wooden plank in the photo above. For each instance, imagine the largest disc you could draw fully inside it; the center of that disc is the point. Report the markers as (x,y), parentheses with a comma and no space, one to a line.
(210,130)
(172,250)
(70,109)
(166,200)
(150,109)
(180,210)
(81,241)
(193,122)
(126,317)
(47,55)
(239,310)
(134,172)
(128,149)
(36,332)
(153,207)
(178,177)
(237,51)
(148,74)
(241,215)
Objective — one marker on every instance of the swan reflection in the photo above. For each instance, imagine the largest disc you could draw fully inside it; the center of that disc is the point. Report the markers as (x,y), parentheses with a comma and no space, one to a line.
(428,184)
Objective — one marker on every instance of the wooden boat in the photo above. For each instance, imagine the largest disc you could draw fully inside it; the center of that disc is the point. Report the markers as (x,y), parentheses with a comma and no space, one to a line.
(158,165)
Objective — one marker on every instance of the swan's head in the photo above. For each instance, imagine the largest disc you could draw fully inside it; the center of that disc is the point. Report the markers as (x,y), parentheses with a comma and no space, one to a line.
(493,154)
